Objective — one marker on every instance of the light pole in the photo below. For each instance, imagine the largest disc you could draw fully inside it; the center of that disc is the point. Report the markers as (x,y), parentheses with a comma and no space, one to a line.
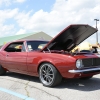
(96,32)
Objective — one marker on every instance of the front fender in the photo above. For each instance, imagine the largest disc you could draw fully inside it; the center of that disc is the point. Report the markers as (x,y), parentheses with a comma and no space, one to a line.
(62,63)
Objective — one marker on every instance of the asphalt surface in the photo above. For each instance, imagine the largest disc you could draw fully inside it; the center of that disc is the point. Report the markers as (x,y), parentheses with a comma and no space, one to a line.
(15,86)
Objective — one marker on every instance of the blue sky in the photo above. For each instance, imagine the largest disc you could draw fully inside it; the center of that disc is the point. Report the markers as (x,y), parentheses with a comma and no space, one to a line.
(34,5)
(49,16)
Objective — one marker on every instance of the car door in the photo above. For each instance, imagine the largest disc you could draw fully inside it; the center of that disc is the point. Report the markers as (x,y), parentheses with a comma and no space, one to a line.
(15,57)
(34,55)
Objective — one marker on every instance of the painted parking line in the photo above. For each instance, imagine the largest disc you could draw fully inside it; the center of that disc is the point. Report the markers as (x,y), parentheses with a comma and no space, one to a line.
(16,94)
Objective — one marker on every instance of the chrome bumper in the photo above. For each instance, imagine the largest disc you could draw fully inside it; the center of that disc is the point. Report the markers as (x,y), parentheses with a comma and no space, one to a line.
(84,70)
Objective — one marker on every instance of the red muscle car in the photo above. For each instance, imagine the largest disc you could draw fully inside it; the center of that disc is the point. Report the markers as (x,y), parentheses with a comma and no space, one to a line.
(54,61)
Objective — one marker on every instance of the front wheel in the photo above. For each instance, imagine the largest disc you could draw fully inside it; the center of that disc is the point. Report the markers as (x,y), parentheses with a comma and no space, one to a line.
(48,75)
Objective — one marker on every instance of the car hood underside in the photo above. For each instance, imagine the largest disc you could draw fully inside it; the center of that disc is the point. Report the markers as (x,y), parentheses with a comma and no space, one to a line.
(70,37)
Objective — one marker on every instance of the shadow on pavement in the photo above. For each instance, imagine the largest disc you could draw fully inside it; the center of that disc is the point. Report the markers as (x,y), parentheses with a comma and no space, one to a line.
(76,84)
(23,77)
(82,85)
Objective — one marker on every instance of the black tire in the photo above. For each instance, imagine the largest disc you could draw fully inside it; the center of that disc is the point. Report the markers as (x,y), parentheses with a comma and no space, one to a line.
(48,75)
(86,78)
(2,71)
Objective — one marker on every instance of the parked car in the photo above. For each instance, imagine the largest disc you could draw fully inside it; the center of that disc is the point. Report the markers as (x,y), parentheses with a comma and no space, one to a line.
(53,61)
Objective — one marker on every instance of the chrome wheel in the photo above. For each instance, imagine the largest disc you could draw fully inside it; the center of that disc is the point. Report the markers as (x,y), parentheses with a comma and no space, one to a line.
(49,75)
(46,74)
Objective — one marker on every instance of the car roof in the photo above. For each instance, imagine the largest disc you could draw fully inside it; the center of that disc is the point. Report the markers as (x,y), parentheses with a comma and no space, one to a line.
(27,40)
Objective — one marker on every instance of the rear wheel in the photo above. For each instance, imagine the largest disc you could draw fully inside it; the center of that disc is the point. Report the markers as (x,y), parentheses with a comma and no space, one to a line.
(2,70)
(49,76)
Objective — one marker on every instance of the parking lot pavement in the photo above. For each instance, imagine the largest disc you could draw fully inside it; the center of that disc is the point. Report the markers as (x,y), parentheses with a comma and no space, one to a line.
(22,87)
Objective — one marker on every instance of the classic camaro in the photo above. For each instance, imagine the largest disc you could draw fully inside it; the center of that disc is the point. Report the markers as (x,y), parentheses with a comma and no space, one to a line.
(52,60)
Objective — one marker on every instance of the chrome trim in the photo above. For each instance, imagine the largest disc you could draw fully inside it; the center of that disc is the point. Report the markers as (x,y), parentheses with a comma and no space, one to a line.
(84,70)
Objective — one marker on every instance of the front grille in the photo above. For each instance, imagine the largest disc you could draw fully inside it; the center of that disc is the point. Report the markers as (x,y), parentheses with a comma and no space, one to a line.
(91,62)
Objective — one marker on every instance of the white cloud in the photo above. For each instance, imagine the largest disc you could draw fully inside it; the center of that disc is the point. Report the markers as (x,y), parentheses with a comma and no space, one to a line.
(5,15)
(19,1)
(6,30)
(21,31)
(9,2)
(5,2)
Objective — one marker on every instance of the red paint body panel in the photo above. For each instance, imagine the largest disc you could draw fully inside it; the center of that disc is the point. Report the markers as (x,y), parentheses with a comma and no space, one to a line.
(28,62)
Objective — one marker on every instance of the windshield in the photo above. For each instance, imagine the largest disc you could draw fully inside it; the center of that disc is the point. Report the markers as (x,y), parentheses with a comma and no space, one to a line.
(36,45)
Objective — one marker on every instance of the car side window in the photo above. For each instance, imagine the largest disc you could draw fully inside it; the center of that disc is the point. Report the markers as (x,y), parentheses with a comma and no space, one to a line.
(14,47)
(36,45)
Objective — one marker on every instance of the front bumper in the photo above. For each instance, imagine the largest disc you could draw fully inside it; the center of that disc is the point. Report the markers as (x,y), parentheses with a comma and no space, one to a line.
(85,70)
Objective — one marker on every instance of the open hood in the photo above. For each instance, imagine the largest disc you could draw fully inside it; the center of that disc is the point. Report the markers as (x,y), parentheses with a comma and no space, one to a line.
(70,37)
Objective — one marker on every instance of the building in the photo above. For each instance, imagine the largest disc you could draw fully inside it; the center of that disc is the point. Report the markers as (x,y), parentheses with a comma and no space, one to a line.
(34,36)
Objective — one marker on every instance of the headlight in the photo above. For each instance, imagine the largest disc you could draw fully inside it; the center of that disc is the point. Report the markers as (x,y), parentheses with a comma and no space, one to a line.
(79,63)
